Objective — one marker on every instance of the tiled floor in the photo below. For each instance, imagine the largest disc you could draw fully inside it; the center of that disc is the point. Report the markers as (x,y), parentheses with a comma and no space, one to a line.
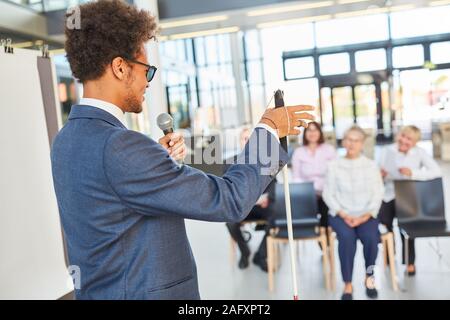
(218,279)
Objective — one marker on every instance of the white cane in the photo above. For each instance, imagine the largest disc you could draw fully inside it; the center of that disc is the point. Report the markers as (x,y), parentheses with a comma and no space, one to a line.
(279,102)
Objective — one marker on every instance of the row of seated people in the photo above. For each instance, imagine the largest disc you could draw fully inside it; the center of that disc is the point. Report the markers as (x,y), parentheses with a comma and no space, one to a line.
(354,194)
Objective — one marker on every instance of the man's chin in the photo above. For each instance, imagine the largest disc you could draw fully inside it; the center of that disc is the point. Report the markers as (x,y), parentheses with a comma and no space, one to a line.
(136,109)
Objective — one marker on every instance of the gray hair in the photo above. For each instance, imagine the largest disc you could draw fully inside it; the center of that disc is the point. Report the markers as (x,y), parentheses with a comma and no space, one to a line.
(357,129)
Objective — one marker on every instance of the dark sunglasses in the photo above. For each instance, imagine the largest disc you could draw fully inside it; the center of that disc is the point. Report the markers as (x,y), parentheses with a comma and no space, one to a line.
(150,71)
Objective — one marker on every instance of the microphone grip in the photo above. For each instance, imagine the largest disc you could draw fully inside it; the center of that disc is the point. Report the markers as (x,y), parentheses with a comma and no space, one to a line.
(167,131)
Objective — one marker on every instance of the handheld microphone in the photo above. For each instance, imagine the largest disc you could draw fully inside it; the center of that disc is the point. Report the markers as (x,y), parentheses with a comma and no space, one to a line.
(165,123)
(279,103)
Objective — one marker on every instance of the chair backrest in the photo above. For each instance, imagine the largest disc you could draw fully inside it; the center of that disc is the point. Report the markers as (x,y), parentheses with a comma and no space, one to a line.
(421,201)
(330,137)
(303,205)
(444,129)
(369,143)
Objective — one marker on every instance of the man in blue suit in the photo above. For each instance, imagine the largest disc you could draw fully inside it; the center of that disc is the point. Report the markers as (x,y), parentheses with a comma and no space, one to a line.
(122,198)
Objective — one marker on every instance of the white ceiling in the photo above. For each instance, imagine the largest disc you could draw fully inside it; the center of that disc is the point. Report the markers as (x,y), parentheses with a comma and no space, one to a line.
(242,19)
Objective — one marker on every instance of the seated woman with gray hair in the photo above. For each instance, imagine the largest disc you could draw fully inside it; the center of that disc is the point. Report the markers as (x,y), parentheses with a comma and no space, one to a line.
(353,191)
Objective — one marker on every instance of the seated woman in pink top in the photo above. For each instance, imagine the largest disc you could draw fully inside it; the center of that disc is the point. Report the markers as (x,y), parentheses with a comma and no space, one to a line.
(309,163)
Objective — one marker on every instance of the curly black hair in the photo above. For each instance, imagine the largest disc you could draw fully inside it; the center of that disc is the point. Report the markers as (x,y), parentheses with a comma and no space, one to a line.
(109,29)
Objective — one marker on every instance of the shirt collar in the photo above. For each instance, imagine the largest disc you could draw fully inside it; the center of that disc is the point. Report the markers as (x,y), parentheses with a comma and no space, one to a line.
(411,151)
(106,106)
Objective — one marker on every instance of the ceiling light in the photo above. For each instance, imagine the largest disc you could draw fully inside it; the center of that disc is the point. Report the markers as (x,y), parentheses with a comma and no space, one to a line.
(402,7)
(203,33)
(361,12)
(298,7)
(439,3)
(189,22)
(351,1)
(293,21)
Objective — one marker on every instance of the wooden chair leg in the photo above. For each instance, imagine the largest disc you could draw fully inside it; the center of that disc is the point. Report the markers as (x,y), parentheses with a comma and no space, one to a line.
(277,255)
(325,261)
(385,249)
(270,261)
(390,249)
(276,251)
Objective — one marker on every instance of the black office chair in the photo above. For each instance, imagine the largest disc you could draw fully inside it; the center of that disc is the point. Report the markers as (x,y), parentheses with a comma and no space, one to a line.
(305,224)
(420,210)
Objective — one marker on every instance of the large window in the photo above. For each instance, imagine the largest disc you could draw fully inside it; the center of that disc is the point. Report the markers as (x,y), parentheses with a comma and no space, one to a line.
(332,53)
(180,90)
(200,54)
(277,40)
(421,96)
(327,109)
(288,38)
(179,50)
(440,52)
(370,60)
(252,67)
(407,56)
(217,88)
(352,30)
(48,5)
(337,63)
(420,22)
(179,79)
(299,68)
(304,90)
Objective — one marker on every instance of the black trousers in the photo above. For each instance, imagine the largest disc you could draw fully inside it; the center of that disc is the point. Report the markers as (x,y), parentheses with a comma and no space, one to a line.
(323,210)
(386,217)
(257,213)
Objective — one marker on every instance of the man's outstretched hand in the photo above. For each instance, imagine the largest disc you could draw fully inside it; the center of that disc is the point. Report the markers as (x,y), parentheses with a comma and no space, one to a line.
(286,119)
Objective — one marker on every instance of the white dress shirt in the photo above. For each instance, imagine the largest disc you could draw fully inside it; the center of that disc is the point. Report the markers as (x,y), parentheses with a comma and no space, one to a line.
(423,167)
(105,106)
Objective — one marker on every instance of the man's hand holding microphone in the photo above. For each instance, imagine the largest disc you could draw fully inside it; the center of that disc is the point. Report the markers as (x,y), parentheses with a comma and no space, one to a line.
(173,142)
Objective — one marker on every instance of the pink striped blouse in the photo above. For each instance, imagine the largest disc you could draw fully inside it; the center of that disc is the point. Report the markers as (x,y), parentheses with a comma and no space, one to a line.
(308,166)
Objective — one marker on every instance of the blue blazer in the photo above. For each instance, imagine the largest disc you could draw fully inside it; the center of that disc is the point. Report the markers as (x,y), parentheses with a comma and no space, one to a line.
(123,201)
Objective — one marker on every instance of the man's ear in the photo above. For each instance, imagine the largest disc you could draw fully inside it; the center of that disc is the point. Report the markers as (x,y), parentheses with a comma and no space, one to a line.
(119,68)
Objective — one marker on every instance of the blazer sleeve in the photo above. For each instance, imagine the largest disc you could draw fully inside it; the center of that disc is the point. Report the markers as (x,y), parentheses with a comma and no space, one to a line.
(147,180)
(271,190)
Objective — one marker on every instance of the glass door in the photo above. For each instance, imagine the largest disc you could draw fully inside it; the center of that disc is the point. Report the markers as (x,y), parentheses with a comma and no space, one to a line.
(359,104)
(343,113)
(366,106)
(178,102)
